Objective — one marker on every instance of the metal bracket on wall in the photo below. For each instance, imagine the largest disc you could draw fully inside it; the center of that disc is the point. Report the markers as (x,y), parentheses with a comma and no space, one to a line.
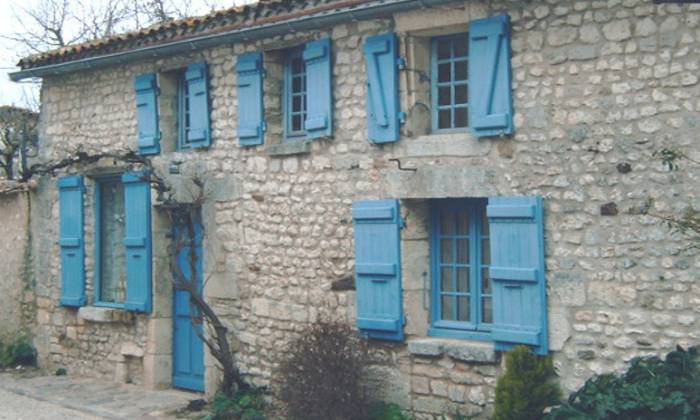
(401,168)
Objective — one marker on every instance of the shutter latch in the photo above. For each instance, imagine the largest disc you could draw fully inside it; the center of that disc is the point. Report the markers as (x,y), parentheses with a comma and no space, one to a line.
(401,117)
(401,63)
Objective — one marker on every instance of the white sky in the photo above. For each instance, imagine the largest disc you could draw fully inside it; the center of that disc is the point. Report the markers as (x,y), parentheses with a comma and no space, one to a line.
(20,94)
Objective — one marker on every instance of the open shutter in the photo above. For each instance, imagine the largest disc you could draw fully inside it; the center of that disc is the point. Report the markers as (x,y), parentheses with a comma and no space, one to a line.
(319,119)
(147,114)
(70,197)
(378,268)
(251,123)
(199,132)
(383,118)
(491,100)
(137,241)
(516,233)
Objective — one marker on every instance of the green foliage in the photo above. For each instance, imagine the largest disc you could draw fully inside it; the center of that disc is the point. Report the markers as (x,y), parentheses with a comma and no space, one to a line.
(381,410)
(525,390)
(651,389)
(246,404)
(17,351)
(61,372)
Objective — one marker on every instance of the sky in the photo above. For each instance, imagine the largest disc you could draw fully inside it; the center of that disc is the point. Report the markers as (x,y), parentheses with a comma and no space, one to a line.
(26,94)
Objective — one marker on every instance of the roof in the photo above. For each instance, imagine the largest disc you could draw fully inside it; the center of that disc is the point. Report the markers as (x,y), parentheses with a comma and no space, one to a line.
(251,15)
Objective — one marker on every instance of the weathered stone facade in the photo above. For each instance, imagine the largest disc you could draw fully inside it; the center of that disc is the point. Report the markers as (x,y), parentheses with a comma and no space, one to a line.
(598,85)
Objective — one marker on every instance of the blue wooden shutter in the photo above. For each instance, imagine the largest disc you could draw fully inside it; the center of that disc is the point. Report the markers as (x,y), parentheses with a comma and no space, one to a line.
(490,93)
(251,124)
(383,118)
(199,132)
(517,272)
(147,114)
(319,94)
(137,240)
(70,197)
(378,268)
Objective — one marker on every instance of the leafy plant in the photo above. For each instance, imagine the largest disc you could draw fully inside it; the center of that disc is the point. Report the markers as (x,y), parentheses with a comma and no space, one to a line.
(248,404)
(381,410)
(324,374)
(61,372)
(651,389)
(525,390)
(17,351)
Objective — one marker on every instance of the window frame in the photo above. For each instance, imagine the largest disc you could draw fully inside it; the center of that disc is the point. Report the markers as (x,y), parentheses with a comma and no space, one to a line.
(434,84)
(475,328)
(290,134)
(97,258)
(183,111)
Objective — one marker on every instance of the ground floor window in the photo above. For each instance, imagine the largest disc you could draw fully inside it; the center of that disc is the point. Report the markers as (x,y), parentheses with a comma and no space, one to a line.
(110,273)
(460,258)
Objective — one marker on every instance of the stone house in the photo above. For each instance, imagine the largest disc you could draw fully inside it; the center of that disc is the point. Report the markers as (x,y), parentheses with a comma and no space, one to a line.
(471,164)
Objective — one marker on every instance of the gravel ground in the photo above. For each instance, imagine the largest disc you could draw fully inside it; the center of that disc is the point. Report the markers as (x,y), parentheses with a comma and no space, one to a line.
(18,407)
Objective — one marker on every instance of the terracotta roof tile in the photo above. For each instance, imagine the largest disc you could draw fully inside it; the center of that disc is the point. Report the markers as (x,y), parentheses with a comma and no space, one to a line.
(251,15)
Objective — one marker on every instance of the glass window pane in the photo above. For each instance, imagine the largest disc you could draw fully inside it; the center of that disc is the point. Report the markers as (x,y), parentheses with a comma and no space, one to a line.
(463,251)
(112,258)
(297,65)
(484,224)
(463,224)
(445,96)
(461,94)
(485,281)
(460,117)
(296,104)
(445,119)
(444,49)
(485,252)
(460,70)
(446,251)
(296,123)
(486,310)
(461,46)
(447,223)
(463,309)
(444,72)
(447,307)
(296,84)
(463,280)
(446,279)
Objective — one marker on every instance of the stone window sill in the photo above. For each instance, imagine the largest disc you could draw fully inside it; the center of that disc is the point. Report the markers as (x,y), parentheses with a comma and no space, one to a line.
(462,350)
(460,144)
(105,315)
(299,147)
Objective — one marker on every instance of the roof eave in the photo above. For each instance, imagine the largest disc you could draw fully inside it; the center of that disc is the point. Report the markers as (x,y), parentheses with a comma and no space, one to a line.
(309,22)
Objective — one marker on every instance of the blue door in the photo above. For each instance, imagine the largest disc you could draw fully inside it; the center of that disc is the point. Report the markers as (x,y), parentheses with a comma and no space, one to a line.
(188,348)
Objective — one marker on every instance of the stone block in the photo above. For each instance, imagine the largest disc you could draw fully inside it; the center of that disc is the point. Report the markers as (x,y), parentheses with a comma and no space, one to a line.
(472,352)
(157,371)
(104,315)
(426,347)
(131,349)
(160,336)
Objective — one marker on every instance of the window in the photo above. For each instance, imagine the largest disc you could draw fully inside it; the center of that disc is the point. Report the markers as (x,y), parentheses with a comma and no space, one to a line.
(110,253)
(460,258)
(450,87)
(183,112)
(295,93)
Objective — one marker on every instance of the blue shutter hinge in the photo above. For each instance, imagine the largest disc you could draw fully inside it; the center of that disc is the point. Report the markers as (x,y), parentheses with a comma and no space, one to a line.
(402,117)
(402,223)
(401,63)
(263,126)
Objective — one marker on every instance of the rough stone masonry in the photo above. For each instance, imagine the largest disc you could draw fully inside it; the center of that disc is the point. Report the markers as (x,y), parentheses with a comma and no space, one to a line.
(598,85)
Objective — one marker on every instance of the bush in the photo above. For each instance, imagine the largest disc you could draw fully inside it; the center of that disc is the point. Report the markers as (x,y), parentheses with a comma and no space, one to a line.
(17,351)
(246,404)
(651,389)
(324,374)
(525,390)
(386,411)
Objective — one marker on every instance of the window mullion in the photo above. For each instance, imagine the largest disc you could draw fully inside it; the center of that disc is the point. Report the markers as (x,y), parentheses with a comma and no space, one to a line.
(475,265)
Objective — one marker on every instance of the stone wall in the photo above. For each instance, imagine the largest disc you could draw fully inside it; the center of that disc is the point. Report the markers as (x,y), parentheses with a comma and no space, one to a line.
(16,285)
(598,87)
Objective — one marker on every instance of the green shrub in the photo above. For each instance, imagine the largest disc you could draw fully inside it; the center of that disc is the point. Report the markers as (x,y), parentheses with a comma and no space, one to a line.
(246,404)
(386,411)
(651,389)
(324,376)
(17,351)
(525,390)
(61,372)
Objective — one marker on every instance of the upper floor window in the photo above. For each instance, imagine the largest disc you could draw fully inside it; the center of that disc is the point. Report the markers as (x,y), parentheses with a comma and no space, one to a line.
(450,86)
(183,112)
(460,258)
(295,93)
(110,255)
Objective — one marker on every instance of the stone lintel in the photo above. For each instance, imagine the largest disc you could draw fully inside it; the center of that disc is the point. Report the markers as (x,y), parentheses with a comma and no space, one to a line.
(289,148)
